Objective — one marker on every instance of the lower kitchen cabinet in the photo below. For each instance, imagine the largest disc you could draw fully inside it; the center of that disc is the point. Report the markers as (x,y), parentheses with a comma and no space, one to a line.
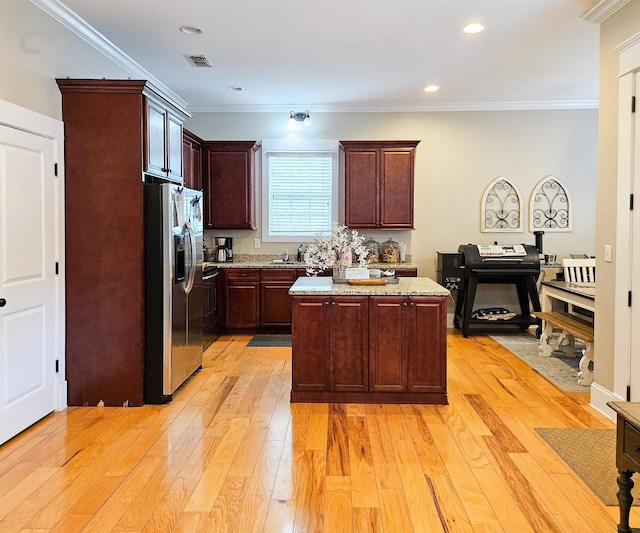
(331,336)
(275,302)
(241,297)
(405,356)
(369,349)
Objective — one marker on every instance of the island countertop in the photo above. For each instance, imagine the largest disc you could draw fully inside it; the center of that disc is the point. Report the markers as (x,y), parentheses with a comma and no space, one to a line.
(324,286)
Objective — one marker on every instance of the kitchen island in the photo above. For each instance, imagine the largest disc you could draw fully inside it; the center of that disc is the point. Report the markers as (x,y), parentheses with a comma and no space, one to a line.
(369,343)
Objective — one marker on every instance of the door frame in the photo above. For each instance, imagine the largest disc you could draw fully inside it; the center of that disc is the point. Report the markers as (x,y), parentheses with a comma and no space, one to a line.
(30,121)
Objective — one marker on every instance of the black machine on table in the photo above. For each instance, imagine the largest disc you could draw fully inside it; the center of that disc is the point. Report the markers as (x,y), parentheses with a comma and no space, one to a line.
(517,264)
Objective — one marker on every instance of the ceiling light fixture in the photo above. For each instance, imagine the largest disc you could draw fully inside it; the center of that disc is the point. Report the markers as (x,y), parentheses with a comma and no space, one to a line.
(474,27)
(190,30)
(431,88)
(296,118)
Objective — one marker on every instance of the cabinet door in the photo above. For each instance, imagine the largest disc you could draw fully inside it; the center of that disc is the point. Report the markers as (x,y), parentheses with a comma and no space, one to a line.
(191,164)
(310,344)
(242,304)
(361,188)
(388,344)
(156,155)
(174,147)
(349,344)
(229,185)
(275,303)
(396,188)
(427,370)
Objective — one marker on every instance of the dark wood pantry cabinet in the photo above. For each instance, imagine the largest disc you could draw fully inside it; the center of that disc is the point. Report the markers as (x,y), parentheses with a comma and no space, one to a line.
(108,148)
(379,184)
(229,184)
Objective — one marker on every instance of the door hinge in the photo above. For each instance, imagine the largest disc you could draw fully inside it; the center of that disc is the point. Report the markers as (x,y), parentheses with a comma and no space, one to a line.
(633,104)
(55,169)
(628,393)
(631,201)
(629,299)
(57,366)
(57,268)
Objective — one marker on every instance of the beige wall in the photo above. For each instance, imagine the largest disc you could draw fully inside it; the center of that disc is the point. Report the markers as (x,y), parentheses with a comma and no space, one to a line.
(460,153)
(30,62)
(613,31)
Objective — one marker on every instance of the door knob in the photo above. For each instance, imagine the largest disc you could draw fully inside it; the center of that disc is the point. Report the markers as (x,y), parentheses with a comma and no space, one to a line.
(3,302)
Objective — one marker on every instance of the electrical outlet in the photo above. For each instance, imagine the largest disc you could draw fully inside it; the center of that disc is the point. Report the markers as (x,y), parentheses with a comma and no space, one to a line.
(256,243)
(607,253)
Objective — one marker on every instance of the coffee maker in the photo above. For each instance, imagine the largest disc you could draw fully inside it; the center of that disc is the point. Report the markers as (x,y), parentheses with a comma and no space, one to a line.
(224,249)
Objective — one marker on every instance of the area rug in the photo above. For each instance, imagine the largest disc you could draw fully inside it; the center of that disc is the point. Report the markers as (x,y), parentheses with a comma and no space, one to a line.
(559,369)
(591,453)
(270,341)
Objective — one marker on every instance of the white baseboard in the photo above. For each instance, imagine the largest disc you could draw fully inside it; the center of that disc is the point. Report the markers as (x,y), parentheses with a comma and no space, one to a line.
(62,398)
(599,398)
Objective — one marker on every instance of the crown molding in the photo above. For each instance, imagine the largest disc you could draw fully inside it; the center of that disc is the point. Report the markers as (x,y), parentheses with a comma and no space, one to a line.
(403,108)
(603,10)
(70,20)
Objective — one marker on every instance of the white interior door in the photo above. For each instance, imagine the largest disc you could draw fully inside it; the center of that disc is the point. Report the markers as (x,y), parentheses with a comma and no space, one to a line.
(27,280)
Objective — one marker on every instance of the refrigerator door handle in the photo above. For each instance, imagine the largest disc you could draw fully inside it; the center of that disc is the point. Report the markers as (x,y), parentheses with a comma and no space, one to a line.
(192,266)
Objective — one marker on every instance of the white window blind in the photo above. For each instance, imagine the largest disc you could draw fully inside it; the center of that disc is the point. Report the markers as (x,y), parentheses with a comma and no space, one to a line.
(300,188)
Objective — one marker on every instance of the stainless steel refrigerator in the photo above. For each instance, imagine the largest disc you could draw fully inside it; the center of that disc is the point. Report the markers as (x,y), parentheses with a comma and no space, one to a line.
(173,299)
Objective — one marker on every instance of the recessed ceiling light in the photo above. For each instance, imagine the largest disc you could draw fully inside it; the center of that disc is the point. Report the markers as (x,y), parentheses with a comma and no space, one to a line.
(235,88)
(431,88)
(190,30)
(474,27)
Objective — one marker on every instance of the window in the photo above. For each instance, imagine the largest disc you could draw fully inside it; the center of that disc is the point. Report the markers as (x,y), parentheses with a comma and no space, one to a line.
(299,190)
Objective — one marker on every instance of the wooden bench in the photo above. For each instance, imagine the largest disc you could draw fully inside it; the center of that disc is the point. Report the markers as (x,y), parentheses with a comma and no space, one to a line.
(571,327)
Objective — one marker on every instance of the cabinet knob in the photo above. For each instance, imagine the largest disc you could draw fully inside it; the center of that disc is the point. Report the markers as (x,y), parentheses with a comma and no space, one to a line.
(326,303)
(333,303)
(636,448)
(405,304)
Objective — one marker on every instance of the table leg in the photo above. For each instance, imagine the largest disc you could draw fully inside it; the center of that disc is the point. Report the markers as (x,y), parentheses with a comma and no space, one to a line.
(585,376)
(625,484)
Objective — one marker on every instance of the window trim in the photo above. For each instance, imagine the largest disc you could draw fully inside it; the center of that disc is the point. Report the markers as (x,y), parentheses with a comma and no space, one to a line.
(292,146)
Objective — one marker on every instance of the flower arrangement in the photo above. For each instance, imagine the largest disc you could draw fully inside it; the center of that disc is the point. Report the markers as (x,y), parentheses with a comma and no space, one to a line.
(336,249)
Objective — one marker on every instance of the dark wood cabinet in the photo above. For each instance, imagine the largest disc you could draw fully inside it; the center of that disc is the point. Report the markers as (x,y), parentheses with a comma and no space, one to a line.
(105,143)
(331,337)
(241,297)
(192,160)
(379,184)
(229,184)
(163,147)
(404,355)
(275,302)
(406,272)
(369,349)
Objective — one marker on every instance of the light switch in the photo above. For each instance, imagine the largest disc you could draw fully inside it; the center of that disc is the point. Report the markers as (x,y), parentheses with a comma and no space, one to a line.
(607,253)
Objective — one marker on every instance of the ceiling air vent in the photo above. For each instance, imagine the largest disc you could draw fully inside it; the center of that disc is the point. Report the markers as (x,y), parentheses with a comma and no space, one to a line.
(199,61)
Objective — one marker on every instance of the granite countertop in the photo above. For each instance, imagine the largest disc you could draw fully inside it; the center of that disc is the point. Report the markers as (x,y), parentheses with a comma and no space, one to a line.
(295,264)
(324,286)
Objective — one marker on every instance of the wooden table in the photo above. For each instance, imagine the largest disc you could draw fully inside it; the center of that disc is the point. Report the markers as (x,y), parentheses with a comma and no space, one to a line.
(563,296)
(627,456)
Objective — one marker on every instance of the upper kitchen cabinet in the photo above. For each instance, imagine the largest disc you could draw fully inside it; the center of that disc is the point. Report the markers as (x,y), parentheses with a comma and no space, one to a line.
(379,184)
(192,160)
(163,147)
(229,184)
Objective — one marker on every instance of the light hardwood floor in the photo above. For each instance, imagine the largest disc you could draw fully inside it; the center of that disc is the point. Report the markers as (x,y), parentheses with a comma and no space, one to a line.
(230,453)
